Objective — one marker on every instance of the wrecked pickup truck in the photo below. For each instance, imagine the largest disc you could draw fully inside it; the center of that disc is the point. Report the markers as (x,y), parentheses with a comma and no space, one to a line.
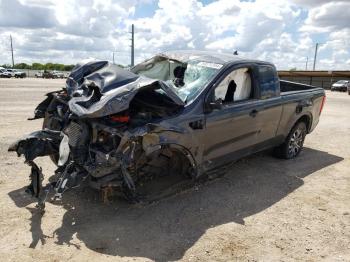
(177,115)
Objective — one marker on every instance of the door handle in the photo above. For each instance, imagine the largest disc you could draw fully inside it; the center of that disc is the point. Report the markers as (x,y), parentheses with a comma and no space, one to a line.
(253,113)
(198,124)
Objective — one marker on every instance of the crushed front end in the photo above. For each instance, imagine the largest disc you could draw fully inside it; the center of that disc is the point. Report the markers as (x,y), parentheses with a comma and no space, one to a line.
(105,127)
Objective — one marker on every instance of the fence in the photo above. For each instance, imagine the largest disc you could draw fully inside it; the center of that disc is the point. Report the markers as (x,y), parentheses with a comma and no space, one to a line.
(31,73)
(323,79)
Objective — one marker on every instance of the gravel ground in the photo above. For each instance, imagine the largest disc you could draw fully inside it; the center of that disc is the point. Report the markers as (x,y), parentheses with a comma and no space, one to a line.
(263,209)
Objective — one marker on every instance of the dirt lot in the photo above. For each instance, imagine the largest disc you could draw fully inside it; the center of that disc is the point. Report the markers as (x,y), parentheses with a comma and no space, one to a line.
(264,209)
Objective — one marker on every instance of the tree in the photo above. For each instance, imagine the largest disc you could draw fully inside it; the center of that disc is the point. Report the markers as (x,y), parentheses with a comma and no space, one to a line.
(6,66)
(37,66)
(68,67)
(22,66)
(49,66)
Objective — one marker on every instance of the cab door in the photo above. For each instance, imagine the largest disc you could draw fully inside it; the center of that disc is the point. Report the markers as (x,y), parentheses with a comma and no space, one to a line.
(270,106)
(231,128)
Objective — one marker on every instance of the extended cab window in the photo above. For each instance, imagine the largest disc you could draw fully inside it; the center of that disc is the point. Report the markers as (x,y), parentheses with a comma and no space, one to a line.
(269,84)
(237,86)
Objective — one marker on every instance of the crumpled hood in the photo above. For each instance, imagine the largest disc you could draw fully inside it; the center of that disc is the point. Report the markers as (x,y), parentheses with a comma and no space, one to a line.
(98,89)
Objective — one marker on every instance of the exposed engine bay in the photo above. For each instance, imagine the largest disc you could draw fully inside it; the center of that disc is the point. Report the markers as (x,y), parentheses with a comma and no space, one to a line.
(107,126)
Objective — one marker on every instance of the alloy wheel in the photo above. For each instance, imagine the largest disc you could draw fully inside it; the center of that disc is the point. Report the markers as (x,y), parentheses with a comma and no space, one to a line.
(296,142)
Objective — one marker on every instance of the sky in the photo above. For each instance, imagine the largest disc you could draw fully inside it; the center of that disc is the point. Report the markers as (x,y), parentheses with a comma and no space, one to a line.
(284,32)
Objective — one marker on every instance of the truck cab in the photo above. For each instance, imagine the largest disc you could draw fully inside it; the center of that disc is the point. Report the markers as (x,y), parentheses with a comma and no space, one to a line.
(243,106)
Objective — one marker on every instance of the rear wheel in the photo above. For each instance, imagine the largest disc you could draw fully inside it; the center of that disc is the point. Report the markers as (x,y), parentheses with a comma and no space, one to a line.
(294,142)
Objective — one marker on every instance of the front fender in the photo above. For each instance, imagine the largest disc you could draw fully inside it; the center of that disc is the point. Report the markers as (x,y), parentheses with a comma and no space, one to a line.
(39,143)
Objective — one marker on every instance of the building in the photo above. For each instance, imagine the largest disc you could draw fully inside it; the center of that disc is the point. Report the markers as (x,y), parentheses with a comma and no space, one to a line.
(322,79)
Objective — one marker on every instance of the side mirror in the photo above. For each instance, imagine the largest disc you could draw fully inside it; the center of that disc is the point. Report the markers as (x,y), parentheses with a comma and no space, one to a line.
(217,104)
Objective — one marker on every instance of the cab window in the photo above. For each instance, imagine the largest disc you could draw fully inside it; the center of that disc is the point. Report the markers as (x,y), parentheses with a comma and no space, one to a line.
(269,84)
(236,86)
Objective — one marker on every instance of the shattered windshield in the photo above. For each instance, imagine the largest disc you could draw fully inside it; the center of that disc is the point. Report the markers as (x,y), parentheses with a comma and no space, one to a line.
(185,79)
(197,76)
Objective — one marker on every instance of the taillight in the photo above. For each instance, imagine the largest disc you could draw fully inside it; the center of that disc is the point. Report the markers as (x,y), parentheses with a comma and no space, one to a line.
(322,103)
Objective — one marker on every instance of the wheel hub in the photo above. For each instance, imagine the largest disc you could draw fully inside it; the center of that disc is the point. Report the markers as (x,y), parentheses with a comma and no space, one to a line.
(295,143)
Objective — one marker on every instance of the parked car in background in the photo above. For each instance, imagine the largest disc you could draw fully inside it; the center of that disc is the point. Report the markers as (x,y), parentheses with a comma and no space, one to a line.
(349,90)
(11,72)
(20,74)
(16,73)
(47,74)
(39,74)
(52,74)
(57,74)
(4,73)
(341,85)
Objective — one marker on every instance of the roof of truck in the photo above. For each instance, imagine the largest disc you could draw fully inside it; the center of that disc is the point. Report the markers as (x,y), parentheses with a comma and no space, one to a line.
(206,56)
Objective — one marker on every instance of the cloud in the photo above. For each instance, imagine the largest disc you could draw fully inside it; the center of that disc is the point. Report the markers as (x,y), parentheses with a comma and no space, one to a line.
(172,25)
(280,31)
(90,18)
(338,44)
(66,31)
(328,17)
(223,26)
(312,3)
(15,14)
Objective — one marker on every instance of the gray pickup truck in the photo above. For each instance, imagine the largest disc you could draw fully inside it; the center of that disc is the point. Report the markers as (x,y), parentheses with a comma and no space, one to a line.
(177,115)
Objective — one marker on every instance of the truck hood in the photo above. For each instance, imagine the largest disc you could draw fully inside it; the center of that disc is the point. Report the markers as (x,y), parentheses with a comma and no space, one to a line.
(98,89)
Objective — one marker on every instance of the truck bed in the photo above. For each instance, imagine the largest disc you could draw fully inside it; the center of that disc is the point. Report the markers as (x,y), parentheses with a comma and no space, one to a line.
(300,99)
(288,87)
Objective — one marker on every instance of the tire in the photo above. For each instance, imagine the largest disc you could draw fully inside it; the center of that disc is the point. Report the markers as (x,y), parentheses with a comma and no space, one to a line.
(294,142)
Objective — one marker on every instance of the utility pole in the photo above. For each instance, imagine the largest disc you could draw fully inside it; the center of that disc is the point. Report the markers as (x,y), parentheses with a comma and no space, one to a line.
(316,48)
(13,61)
(307,60)
(132,46)
(113,59)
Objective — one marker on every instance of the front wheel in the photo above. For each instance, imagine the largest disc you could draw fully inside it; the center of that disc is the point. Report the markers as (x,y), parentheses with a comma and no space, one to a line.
(294,142)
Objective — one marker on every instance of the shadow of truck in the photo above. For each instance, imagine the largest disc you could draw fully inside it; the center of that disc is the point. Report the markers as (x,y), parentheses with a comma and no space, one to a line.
(167,229)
